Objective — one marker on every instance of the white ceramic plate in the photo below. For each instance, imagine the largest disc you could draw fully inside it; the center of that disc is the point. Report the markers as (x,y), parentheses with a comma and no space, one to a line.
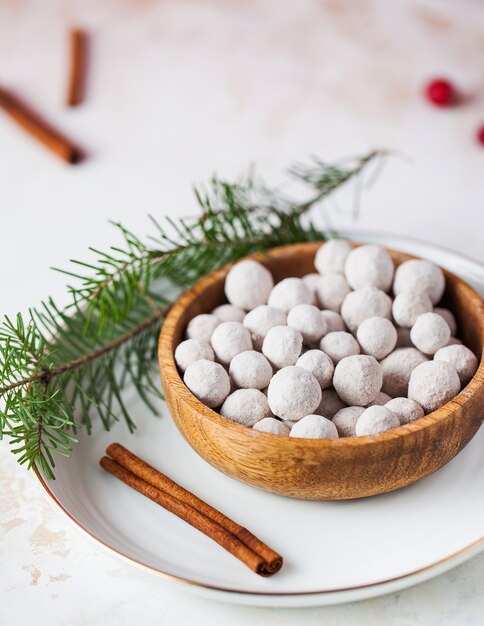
(334,551)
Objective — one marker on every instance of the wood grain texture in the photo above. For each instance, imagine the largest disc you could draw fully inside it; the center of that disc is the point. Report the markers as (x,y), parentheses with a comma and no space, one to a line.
(323,469)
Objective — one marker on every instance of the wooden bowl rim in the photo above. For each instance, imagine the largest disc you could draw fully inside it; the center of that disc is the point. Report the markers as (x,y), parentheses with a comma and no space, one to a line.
(171,376)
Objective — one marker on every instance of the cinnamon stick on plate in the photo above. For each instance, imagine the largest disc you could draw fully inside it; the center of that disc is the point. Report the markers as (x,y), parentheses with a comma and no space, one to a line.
(38,128)
(150,482)
(78,43)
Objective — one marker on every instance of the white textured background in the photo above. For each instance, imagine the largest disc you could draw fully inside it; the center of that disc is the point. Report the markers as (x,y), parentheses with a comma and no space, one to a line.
(176,91)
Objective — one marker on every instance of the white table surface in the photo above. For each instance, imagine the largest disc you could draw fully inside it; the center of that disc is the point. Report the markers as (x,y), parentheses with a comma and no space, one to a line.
(178,90)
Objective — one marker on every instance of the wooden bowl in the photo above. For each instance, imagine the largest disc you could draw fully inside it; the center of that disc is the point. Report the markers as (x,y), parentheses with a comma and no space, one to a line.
(322,469)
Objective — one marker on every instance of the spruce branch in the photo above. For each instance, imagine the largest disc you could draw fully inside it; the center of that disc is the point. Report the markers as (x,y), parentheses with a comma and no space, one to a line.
(61,367)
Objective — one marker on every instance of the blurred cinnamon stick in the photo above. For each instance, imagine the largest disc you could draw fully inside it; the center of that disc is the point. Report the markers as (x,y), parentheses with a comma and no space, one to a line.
(78,43)
(38,128)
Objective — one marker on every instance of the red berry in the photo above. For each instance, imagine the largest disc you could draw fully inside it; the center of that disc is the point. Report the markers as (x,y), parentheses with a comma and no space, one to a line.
(480,135)
(440,92)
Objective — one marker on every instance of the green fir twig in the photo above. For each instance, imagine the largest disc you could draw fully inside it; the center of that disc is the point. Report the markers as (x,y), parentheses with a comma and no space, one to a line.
(60,368)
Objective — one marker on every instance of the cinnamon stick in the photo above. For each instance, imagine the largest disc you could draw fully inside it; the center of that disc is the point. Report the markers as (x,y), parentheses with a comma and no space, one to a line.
(188,514)
(148,473)
(270,561)
(76,85)
(38,128)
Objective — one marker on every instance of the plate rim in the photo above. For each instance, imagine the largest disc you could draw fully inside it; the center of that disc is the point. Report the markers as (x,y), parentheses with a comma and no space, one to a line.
(467,551)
